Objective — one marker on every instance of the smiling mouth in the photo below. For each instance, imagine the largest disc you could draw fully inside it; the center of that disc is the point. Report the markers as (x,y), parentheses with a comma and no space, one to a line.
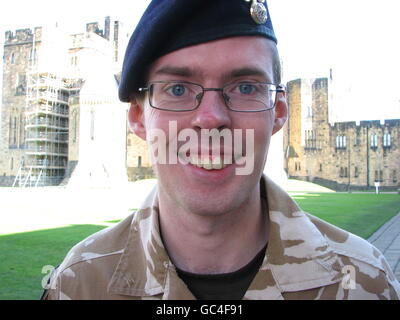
(208,162)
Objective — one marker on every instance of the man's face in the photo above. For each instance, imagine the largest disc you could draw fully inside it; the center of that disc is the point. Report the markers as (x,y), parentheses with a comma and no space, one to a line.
(212,65)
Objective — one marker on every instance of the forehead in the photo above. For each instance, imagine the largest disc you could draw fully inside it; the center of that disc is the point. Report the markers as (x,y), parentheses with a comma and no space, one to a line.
(217,58)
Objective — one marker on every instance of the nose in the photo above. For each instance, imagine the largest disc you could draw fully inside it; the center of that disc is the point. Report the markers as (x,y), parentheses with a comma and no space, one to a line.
(212,112)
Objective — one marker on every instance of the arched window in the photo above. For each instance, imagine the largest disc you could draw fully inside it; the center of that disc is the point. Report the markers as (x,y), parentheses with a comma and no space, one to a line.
(139,162)
(374,141)
(387,140)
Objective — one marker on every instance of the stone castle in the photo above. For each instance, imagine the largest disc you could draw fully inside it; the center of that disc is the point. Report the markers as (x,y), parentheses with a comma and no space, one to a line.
(60,109)
(339,155)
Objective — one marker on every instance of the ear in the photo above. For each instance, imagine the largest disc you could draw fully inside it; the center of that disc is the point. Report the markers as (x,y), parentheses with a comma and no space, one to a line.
(136,118)
(281,112)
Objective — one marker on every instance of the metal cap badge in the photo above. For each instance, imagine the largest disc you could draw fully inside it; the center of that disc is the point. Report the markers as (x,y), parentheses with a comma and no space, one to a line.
(258,11)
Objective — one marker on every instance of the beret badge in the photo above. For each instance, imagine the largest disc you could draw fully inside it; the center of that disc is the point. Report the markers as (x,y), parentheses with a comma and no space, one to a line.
(258,11)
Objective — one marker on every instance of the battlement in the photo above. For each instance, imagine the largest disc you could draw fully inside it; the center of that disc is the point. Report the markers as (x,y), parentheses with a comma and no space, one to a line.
(315,83)
(320,83)
(344,125)
(22,36)
(95,28)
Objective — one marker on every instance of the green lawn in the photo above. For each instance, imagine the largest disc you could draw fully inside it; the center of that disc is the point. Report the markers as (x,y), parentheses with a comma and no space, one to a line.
(23,255)
(361,214)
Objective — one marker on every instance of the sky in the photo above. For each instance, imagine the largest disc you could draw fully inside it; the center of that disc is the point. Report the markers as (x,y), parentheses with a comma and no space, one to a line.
(358,39)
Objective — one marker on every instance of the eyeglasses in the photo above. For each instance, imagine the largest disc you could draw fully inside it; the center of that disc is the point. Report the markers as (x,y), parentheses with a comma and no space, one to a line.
(238,96)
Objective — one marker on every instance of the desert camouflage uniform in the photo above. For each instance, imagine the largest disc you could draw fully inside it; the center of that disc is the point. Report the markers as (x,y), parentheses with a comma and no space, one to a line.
(306,258)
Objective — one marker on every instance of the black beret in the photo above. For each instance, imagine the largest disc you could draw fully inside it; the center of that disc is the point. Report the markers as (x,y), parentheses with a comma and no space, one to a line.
(169,25)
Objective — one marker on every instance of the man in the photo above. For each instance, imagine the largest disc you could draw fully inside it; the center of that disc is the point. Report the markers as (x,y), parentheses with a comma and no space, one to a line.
(212,230)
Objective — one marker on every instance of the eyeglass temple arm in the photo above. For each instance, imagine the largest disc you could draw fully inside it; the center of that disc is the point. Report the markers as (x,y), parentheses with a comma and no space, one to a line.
(280,88)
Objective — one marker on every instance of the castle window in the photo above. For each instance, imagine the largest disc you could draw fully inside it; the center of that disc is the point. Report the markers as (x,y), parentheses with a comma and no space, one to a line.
(341,142)
(13,132)
(310,139)
(21,84)
(374,141)
(386,140)
(74,61)
(343,172)
(12,58)
(394,176)
(356,172)
(320,167)
(139,162)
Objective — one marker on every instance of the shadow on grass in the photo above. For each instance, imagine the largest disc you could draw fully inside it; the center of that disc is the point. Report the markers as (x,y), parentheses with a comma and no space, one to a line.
(23,256)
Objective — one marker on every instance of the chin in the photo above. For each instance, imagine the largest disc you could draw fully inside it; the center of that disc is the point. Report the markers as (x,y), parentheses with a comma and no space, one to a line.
(213,201)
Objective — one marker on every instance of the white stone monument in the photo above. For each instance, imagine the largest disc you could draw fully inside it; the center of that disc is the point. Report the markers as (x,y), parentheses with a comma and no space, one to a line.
(102,133)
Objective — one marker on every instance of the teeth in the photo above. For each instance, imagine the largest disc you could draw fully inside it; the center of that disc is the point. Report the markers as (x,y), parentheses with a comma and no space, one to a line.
(207,166)
(206,163)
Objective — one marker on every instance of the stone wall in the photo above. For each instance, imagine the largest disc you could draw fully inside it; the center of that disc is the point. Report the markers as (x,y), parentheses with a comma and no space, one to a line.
(138,160)
(20,52)
(341,155)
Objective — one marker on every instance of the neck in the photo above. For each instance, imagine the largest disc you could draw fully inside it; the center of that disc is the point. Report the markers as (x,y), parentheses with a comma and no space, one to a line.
(213,244)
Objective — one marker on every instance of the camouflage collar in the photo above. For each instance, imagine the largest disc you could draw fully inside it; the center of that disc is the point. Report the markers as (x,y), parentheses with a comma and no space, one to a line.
(298,255)
(142,269)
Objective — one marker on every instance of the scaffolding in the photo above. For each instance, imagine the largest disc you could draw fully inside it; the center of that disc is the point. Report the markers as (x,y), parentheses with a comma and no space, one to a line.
(50,86)
(46,119)
(46,126)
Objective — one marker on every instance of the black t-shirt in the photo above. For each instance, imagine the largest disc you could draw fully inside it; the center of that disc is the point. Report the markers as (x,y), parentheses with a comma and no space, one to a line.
(225,286)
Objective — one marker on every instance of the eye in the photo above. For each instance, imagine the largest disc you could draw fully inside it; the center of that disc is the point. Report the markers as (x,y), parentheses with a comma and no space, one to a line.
(177,90)
(245,88)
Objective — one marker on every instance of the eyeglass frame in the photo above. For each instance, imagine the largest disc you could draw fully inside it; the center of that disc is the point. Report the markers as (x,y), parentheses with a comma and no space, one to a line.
(279,88)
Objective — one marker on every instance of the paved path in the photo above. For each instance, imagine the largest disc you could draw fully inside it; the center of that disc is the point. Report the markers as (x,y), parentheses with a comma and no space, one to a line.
(387,240)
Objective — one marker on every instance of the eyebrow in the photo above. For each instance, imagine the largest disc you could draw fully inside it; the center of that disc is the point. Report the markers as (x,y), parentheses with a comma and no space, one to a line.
(175,71)
(247,71)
